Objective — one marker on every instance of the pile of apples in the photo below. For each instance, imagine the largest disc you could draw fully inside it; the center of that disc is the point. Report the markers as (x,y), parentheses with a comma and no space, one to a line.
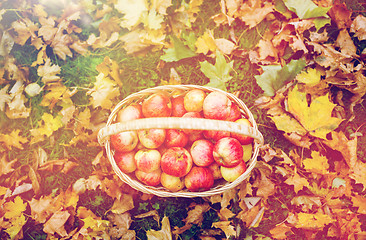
(181,158)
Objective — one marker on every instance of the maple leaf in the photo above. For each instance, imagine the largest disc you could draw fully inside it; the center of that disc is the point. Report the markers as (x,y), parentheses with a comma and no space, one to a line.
(16,107)
(195,215)
(358,173)
(122,205)
(360,202)
(103,92)
(310,76)
(297,181)
(132,11)
(279,232)
(318,164)
(219,73)
(13,139)
(253,12)
(358,27)
(306,9)
(274,76)
(205,43)
(313,221)
(25,29)
(316,118)
(286,123)
(49,72)
(163,234)
(47,125)
(56,223)
(178,52)
(16,226)
(14,209)
(225,226)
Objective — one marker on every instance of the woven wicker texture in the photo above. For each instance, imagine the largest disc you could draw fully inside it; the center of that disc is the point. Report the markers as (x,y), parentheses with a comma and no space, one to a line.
(112,128)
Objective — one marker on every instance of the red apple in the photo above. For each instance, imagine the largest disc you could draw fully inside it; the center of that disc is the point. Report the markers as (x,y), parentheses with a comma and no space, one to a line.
(151,178)
(235,113)
(199,179)
(201,152)
(216,106)
(152,138)
(176,161)
(178,109)
(131,112)
(228,152)
(124,141)
(230,174)
(192,115)
(157,105)
(243,139)
(175,138)
(215,169)
(125,161)
(147,160)
(193,100)
(171,183)
(194,137)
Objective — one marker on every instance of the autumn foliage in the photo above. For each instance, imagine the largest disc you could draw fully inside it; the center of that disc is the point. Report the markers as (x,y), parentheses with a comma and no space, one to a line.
(298,65)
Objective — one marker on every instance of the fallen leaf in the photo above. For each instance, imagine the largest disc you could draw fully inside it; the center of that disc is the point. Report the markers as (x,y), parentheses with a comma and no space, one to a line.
(178,52)
(104,91)
(316,118)
(5,166)
(279,232)
(205,43)
(14,209)
(345,43)
(163,234)
(313,221)
(121,224)
(306,9)
(225,214)
(306,202)
(358,27)
(317,164)
(359,173)
(360,202)
(253,12)
(152,213)
(341,15)
(297,181)
(132,11)
(49,72)
(16,226)
(122,205)
(13,139)
(288,124)
(225,226)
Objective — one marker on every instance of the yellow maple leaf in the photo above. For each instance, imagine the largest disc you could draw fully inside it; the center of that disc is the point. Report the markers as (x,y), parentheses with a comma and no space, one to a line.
(152,20)
(16,225)
(225,226)
(132,10)
(317,164)
(103,92)
(47,125)
(310,76)
(14,209)
(288,124)
(316,118)
(313,221)
(205,43)
(13,139)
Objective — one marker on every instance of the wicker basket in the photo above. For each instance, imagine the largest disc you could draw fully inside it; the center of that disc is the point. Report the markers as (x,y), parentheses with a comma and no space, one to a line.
(112,128)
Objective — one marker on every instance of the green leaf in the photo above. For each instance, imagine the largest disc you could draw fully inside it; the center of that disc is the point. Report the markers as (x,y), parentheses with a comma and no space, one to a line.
(274,76)
(178,52)
(219,73)
(305,9)
(321,22)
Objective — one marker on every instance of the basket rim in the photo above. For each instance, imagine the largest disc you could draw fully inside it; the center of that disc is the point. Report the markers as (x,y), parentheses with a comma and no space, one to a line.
(175,90)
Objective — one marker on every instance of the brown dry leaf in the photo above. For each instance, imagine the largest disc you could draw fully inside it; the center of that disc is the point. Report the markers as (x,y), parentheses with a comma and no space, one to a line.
(16,107)
(279,232)
(341,15)
(195,215)
(224,45)
(227,196)
(265,187)
(358,27)
(163,234)
(248,216)
(225,226)
(306,202)
(4,97)
(254,11)
(345,43)
(56,223)
(122,223)
(5,166)
(122,205)
(225,214)
(13,140)
(42,208)
(49,72)
(25,29)
(348,148)
(152,213)
(297,181)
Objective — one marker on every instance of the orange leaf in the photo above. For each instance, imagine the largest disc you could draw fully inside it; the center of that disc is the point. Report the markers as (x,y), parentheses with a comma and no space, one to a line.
(297,181)
(279,232)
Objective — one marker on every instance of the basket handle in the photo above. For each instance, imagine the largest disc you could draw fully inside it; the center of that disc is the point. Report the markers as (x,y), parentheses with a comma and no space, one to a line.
(178,123)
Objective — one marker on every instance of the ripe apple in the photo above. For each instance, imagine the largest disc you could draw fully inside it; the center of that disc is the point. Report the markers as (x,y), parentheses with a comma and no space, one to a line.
(193,100)
(151,178)
(124,141)
(175,138)
(215,135)
(171,183)
(194,137)
(243,139)
(192,115)
(216,106)
(157,105)
(130,112)
(176,161)
(152,138)
(199,179)
(147,160)
(235,113)
(247,152)
(230,174)
(201,152)
(215,169)
(178,109)
(125,161)
(228,152)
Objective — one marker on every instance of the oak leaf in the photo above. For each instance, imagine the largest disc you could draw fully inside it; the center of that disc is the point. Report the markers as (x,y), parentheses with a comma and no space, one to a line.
(316,118)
